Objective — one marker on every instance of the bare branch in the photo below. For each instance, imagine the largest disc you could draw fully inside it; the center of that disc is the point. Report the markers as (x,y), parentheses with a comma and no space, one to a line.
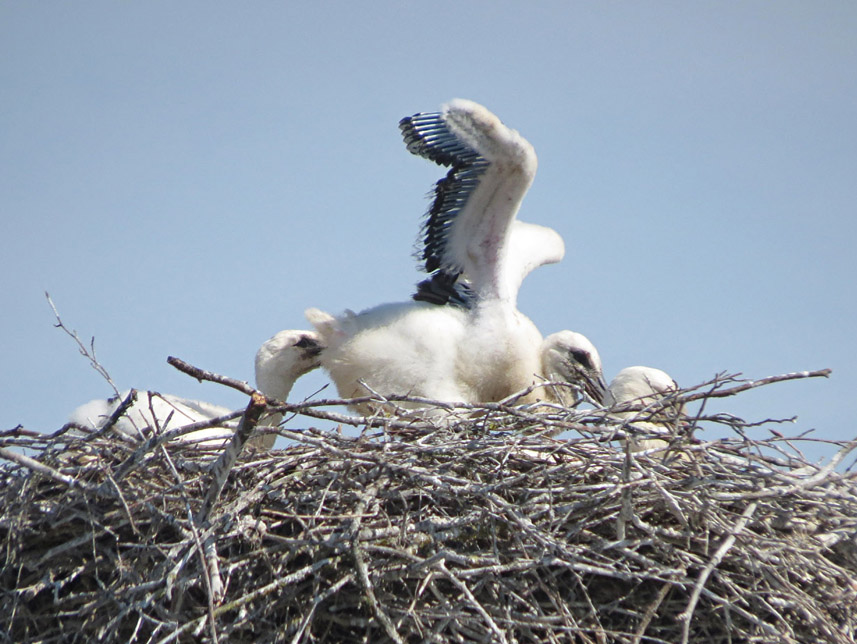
(687,615)
(210,376)
(44,470)
(88,353)
(223,465)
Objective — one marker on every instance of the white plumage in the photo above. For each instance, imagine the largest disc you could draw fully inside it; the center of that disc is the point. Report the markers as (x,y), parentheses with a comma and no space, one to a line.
(644,386)
(464,338)
(279,362)
(402,348)
(157,413)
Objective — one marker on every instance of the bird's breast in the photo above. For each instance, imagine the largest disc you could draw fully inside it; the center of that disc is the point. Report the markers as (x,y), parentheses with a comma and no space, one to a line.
(501,353)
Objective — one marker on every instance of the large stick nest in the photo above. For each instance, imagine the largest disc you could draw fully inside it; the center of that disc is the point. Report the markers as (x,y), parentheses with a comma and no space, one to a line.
(486,530)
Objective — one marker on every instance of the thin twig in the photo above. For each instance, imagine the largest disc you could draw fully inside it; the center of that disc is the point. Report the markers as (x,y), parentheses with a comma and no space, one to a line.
(45,470)
(362,573)
(88,353)
(498,633)
(686,616)
(208,564)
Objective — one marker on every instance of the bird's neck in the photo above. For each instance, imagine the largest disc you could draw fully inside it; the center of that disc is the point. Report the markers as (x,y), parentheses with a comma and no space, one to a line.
(273,384)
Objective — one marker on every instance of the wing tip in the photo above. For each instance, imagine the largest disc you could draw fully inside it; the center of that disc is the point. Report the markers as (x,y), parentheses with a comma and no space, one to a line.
(427,134)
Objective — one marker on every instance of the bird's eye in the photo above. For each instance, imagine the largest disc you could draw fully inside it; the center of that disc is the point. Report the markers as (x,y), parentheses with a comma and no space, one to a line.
(582,357)
(306,343)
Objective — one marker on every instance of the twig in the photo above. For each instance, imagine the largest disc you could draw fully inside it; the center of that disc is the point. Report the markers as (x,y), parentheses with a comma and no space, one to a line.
(686,616)
(335,588)
(362,573)
(267,589)
(50,472)
(150,444)
(210,376)
(221,468)
(650,613)
(441,565)
(752,384)
(208,564)
(89,353)
(120,410)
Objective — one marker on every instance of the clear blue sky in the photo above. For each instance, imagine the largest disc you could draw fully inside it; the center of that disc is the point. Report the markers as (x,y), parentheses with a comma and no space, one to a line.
(185,178)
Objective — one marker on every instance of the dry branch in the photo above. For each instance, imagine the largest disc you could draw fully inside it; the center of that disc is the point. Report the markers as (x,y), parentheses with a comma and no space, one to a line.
(86,352)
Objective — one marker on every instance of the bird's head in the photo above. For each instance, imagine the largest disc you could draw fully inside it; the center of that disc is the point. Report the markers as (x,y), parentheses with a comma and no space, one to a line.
(645,386)
(288,355)
(570,357)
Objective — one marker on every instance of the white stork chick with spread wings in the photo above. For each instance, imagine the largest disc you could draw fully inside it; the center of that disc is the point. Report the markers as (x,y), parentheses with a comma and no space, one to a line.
(463,338)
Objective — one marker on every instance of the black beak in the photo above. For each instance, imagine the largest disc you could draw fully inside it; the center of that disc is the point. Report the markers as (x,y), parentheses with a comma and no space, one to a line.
(596,389)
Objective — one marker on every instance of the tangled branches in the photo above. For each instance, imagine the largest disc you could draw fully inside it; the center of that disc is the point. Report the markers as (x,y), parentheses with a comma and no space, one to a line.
(495,527)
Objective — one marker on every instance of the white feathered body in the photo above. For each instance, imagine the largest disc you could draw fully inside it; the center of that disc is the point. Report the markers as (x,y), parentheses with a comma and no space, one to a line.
(153,413)
(501,354)
(644,386)
(404,348)
(438,352)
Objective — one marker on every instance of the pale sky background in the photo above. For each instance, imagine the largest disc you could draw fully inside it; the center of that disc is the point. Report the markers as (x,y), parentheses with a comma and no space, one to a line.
(185,178)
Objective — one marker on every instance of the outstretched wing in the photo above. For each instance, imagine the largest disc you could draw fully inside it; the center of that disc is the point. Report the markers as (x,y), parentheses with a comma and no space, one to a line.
(468,226)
